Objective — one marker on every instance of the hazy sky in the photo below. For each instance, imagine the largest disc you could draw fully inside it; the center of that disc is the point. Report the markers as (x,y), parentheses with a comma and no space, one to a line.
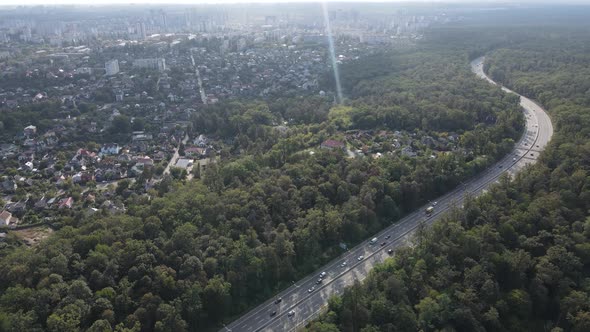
(104,2)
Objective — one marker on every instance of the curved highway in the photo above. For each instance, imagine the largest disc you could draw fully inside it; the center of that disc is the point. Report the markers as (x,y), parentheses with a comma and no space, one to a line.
(301,304)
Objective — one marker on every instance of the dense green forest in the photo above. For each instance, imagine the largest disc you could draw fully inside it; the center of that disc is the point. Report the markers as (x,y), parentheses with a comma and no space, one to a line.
(186,256)
(517,258)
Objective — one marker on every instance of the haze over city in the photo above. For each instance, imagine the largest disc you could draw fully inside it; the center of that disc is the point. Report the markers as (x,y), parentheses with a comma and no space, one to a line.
(193,2)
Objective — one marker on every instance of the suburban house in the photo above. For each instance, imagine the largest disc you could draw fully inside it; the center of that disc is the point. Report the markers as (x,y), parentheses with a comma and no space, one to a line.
(30,131)
(201,141)
(66,203)
(110,149)
(144,161)
(331,144)
(408,152)
(199,152)
(82,177)
(184,163)
(5,218)
(8,186)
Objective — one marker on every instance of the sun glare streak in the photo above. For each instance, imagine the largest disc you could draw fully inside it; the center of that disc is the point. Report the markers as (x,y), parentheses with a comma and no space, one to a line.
(332,53)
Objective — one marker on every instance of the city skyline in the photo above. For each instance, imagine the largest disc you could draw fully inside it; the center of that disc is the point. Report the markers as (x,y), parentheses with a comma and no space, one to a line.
(208,2)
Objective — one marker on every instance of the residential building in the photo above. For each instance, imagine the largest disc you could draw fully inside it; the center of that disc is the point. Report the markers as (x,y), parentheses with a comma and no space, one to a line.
(184,163)
(151,63)
(144,161)
(5,218)
(332,144)
(30,131)
(110,149)
(66,203)
(8,186)
(141,31)
(112,67)
(201,141)
(408,152)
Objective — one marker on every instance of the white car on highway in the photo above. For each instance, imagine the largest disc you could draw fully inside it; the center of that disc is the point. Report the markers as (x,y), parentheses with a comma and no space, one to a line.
(361,257)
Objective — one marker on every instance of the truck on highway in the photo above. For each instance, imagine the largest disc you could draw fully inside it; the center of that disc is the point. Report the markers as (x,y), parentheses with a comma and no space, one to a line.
(374,240)
(429,210)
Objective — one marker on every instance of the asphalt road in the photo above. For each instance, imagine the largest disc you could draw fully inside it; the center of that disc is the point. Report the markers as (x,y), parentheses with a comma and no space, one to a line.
(175,156)
(308,305)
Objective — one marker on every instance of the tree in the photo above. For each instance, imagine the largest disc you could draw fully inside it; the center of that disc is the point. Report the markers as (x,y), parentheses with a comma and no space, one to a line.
(65,319)
(159,170)
(100,325)
(138,124)
(19,321)
(191,304)
(121,125)
(169,320)
(323,327)
(178,173)
(122,186)
(217,298)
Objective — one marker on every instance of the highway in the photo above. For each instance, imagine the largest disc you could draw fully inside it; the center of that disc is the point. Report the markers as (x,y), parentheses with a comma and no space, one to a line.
(307,305)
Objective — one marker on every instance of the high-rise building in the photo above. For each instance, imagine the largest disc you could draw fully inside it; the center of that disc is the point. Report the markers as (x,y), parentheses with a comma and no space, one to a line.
(224,46)
(163,19)
(112,67)
(141,33)
(154,63)
(26,35)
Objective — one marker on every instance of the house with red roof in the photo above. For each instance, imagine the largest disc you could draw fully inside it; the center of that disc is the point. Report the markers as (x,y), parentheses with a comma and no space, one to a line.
(331,144)
(66,203)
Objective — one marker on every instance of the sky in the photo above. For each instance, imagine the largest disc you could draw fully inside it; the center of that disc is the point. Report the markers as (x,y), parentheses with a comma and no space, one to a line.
(108,2)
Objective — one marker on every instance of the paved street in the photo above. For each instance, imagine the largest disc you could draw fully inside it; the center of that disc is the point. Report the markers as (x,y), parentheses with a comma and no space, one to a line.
(175,156)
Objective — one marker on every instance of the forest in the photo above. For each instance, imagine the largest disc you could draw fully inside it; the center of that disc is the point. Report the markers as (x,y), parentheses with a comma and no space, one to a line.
(518,257)
(188,255)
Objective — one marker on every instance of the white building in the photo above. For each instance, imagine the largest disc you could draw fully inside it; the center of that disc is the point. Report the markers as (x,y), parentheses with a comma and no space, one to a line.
(30,131)
(112,67)
(184,163)
(110,149)
(153,63)
(141,32)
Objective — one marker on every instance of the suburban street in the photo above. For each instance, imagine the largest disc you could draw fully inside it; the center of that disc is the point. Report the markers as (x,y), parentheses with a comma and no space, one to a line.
(308,305)
(175,156)
(199,80)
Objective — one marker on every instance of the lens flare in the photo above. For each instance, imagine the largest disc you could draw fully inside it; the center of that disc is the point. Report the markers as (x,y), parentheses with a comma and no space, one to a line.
(332,53)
